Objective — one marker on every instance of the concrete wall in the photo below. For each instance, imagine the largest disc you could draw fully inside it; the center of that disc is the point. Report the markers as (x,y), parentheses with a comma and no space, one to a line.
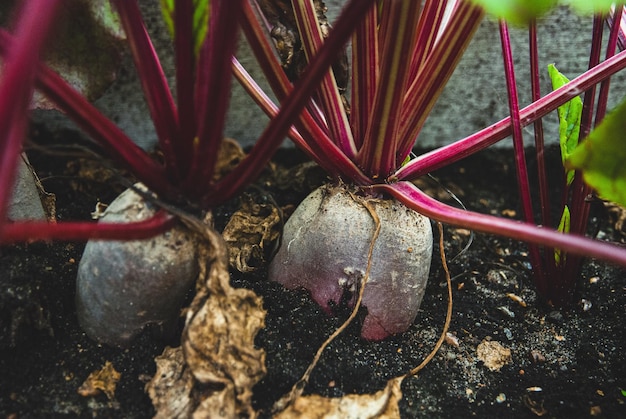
(474,98)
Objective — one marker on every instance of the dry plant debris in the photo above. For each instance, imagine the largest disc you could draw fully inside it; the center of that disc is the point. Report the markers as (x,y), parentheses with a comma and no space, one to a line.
(493,354)
(251,231)
(380,405)
(229,156)
(219,363)
(171,387)
(104,380)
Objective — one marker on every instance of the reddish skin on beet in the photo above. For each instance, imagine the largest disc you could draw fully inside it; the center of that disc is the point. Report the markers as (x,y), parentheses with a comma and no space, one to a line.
(325,250)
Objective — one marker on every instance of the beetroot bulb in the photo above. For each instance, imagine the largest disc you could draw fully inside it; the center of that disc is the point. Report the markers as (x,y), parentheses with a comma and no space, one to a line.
(124,286)
(325,250)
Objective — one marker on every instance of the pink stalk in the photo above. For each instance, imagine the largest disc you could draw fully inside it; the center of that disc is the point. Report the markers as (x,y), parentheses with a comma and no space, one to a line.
(518,146)
(264,53)
(365,68)
(427,30)
(414,198)
(309,123)
(431,79)
(611,48)
(101,129)
(619,21)
(490,135)
(278,127)
(579,188)
(309,135)
(546,267)
(16,88)
(318,143)
(329,149)
(212,93)
(265,103)
(544,196)
(27,231)
(330,100)
(273,71)
(153,81)
(377,155)
(184,48)
(581,191)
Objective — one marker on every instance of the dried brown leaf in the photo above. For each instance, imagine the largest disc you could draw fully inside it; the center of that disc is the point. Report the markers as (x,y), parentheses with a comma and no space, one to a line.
(229,156)
(250,231)
(171,387)
(218,340)
(104,380)
(493,354)
(380,405)
(221,363)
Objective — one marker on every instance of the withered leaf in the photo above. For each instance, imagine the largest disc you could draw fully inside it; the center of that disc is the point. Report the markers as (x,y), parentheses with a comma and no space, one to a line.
(493,354)
(250,232)
(104,380)
(221,363)
(171,387)
(229,156)
(380,405)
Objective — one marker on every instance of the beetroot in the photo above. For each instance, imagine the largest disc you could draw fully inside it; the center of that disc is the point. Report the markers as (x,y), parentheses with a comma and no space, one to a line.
(124,286)
(325,250)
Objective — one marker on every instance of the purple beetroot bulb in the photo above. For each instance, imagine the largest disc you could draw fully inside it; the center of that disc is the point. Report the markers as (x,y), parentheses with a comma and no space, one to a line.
(325,247)
(124,286)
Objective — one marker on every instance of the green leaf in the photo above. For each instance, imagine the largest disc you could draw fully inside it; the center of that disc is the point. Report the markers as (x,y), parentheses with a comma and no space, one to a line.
(522,11)
(167,9)
(564,227)
(602,157)
(569,120)
(200,20)
(516,11)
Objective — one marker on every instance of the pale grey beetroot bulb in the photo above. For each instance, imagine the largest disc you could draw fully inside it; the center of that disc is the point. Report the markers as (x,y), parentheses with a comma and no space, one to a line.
(325,247)
(123,286)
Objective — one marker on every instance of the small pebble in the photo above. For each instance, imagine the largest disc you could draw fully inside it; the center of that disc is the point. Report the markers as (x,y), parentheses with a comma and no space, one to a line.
(507,311)
(537,356)
(519,300)
(501,398)
(452,340)
(508,333)
(555,317)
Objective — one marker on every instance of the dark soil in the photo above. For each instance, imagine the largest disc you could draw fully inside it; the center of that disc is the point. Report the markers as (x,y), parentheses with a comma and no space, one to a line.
(564,363)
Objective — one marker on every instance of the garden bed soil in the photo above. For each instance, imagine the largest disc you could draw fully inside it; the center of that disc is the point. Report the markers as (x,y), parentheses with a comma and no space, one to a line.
(563,363)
